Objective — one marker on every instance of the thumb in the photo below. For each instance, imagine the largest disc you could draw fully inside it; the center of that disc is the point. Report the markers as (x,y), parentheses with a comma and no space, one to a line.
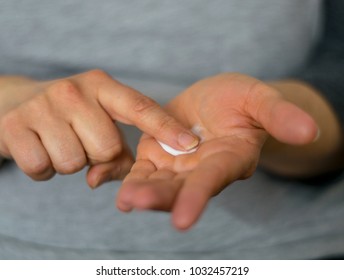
(282,119)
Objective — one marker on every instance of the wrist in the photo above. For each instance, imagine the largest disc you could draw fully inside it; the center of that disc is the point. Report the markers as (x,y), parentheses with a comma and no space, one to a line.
(15,90)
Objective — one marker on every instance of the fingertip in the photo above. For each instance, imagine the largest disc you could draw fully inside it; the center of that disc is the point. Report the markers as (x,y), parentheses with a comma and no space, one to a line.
(308,132)
(123,206)
(292,125)
(303,129)
(180,222)
(317,136)
(124,198)
(184,216)
(93,177)
(184,221)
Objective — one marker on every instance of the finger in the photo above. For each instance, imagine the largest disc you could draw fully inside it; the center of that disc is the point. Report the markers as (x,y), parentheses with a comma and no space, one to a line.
(282,119)
(161,159)
(63,146)
(158,192)
(98,134)
(140,171)
(163,174)
(209,178)
(155,194)
(70,100)
(114,170)
(29,153)
(131,107)
(148,188)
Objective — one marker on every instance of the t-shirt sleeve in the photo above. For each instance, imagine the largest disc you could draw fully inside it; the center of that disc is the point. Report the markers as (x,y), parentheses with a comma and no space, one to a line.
(325,70)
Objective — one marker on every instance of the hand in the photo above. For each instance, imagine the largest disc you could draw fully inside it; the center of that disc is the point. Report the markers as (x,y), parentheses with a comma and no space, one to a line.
(236,113)
(63,125)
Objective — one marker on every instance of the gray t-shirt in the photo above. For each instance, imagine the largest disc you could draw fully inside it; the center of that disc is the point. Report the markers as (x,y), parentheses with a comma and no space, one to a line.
(159,47)
(162,40)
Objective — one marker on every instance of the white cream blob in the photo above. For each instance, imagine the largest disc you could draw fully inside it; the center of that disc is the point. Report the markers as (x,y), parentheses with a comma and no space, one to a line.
(196,129)
(175,152)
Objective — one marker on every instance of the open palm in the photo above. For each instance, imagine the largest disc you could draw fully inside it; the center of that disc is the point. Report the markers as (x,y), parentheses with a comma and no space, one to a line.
(236,113)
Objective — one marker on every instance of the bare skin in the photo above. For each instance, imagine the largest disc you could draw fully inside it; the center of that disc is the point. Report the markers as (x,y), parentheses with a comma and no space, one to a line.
(321,156)
(63,125)
(241,118)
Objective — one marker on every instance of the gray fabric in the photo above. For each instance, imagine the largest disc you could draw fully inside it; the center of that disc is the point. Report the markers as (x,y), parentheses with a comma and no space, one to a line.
(179,42)
(326,67)
(160,39)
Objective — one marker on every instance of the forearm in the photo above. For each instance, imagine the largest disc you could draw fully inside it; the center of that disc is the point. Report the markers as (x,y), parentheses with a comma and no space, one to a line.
(324,155)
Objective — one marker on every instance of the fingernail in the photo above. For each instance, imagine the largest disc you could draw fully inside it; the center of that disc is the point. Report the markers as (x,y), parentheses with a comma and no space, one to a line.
(317,136)
(188,141)
(124,207)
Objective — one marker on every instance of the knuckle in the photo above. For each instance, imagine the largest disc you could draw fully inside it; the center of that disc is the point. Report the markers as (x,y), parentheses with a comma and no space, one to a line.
(104,153)
(36,108)
(64,85)
(257,88)
(9,122)
(65,90)
(255,97)
(36,105)
(12,125)
(96,75)
(70,166)
(36,168)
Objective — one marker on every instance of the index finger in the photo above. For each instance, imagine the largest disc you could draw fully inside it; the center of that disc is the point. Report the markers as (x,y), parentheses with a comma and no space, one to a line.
(132,107)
